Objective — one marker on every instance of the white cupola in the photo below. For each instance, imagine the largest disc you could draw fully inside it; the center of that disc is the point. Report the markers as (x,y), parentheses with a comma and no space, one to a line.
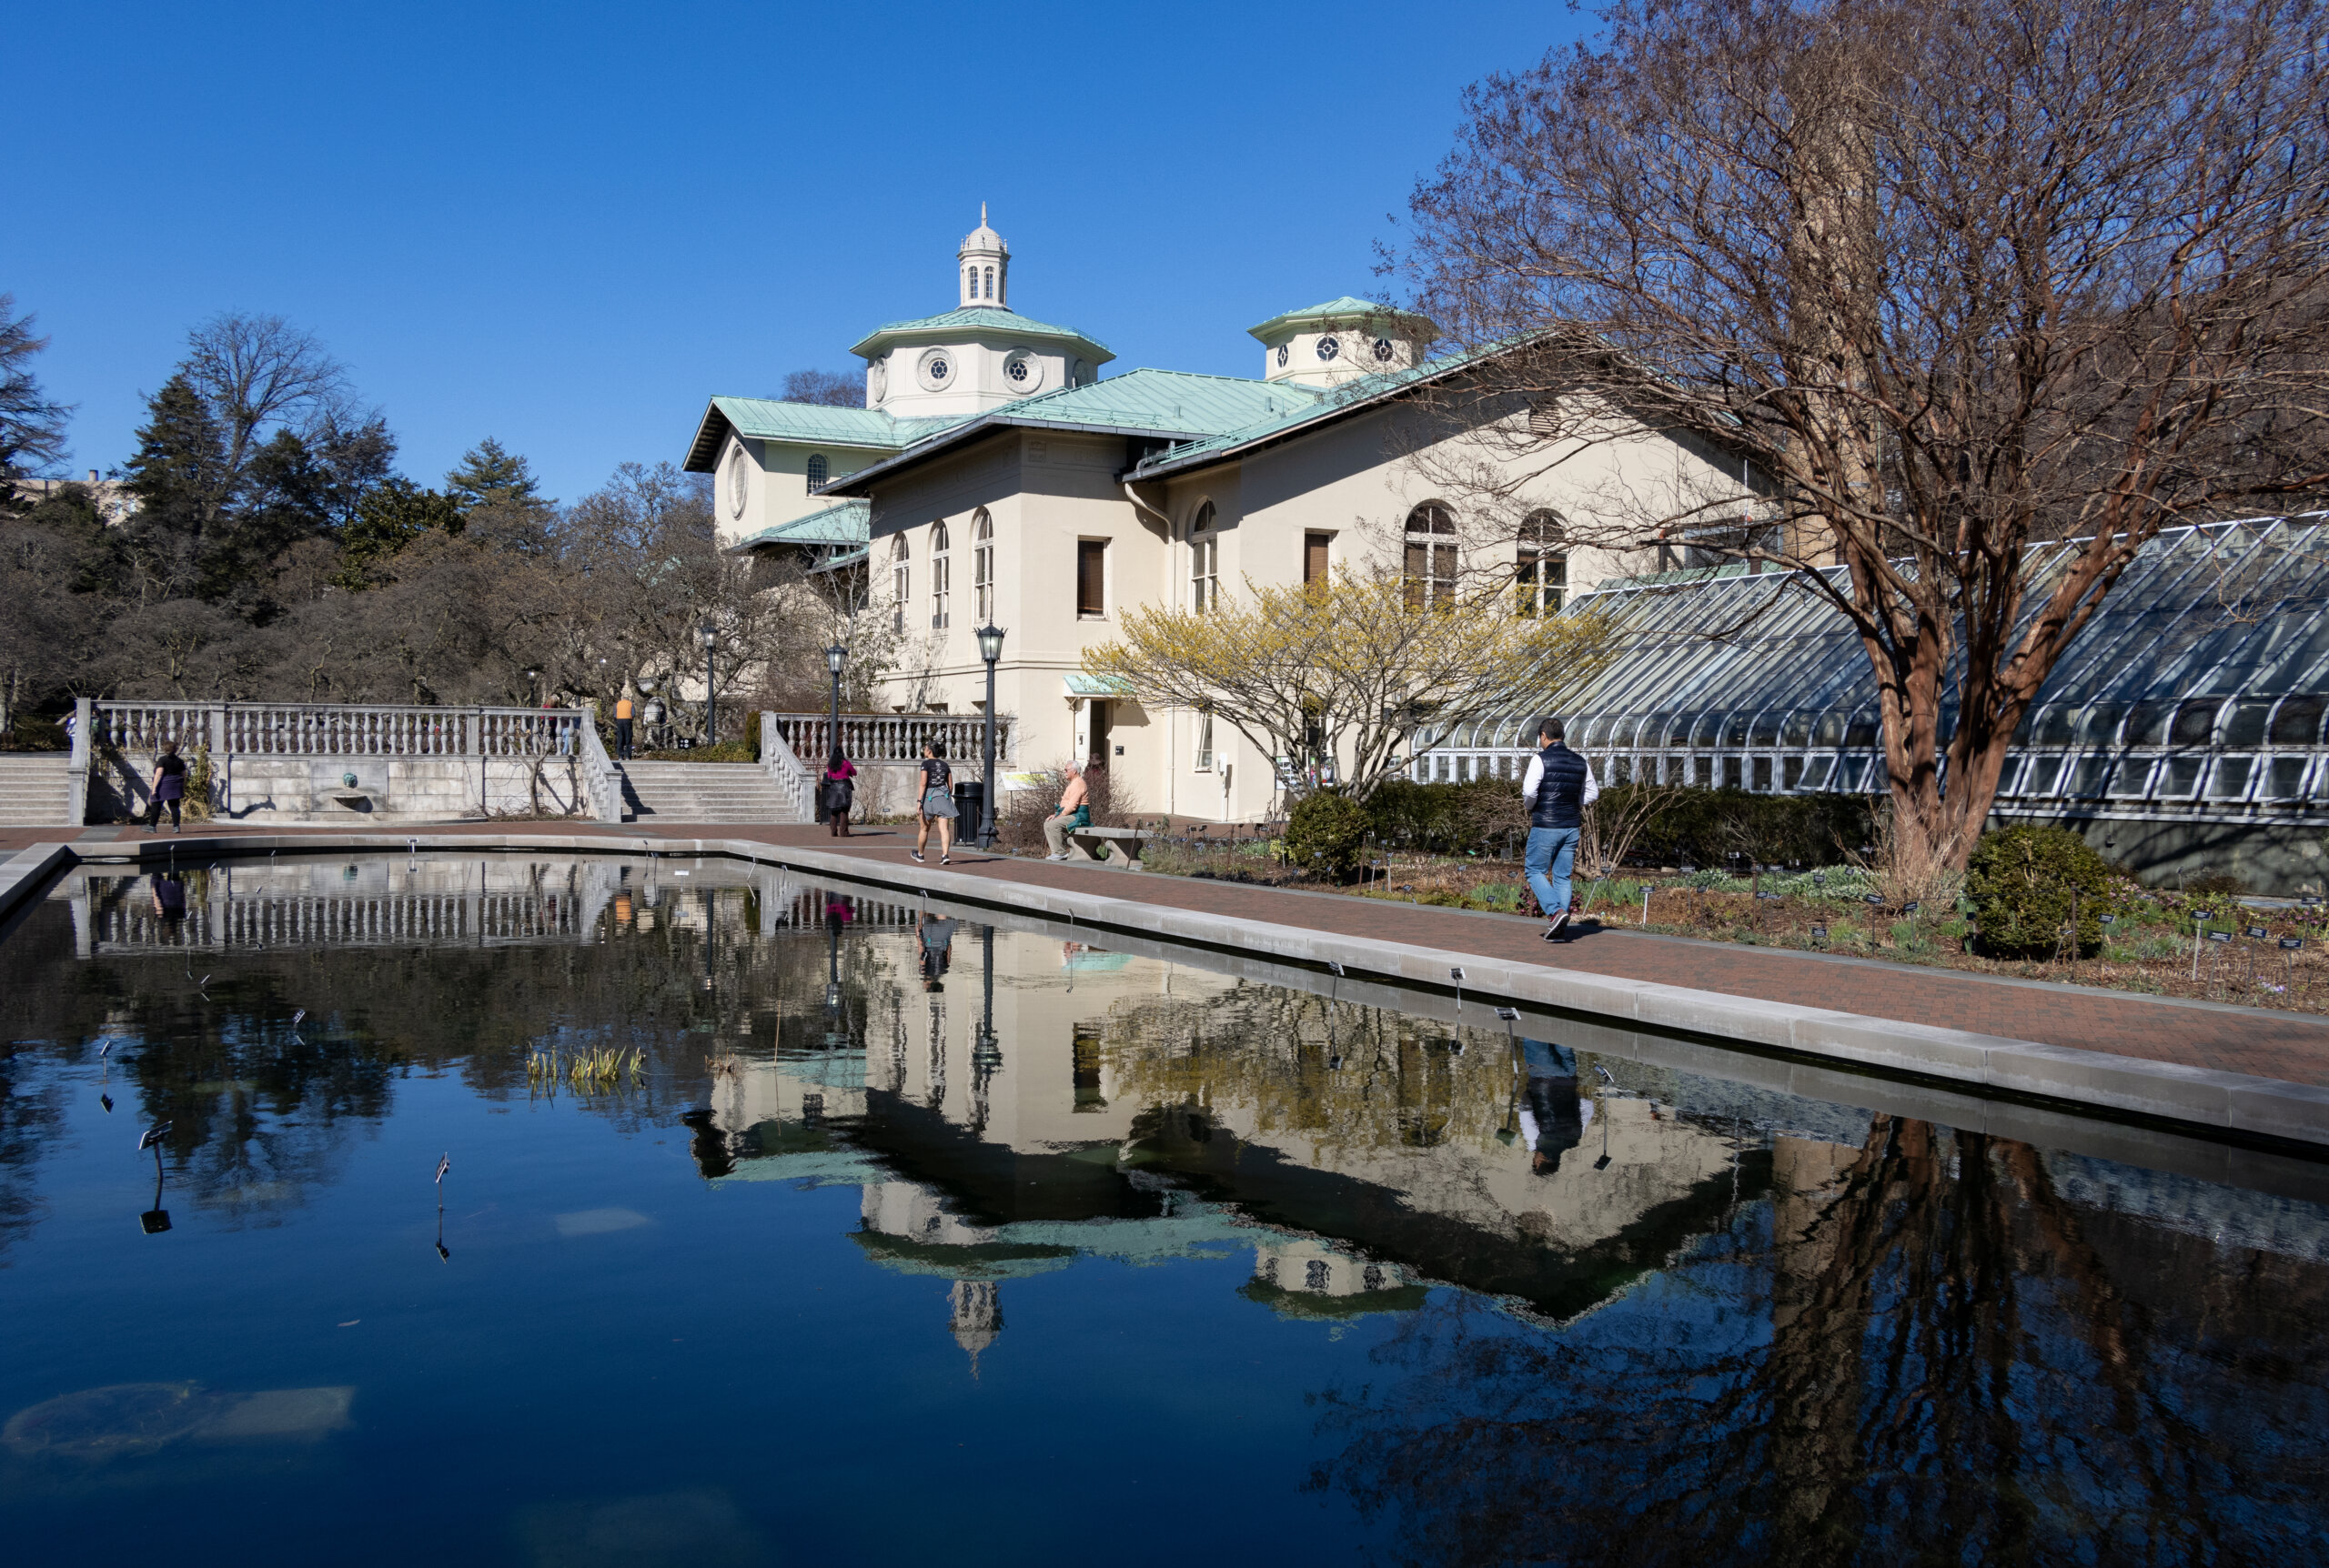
(1340,340)
(984,268)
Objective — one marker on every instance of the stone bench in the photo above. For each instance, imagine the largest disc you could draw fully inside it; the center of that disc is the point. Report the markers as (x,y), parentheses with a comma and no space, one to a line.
(1122,844)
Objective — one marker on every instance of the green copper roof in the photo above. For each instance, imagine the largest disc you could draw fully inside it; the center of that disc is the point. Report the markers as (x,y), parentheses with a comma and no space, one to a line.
(1346,309)
(848,524)
(807,424)
(1175,405)
(1348,397)
(975,318)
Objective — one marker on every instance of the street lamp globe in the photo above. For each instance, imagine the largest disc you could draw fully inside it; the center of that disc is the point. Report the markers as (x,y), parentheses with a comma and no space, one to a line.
(707,634)
(835,657)
(990,642)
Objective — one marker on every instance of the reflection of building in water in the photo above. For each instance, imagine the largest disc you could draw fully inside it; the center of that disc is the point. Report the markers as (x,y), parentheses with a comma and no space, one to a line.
(377,902)
(1129,1107)
(977,1316)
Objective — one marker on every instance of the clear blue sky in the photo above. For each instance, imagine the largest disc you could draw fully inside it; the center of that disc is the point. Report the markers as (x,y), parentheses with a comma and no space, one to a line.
(566,227)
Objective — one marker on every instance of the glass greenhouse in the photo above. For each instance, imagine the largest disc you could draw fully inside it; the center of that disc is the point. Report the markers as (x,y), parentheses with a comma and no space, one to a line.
(2196,693)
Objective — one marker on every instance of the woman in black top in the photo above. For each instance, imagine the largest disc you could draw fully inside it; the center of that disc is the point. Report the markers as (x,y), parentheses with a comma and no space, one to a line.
(169,788)
(937,804)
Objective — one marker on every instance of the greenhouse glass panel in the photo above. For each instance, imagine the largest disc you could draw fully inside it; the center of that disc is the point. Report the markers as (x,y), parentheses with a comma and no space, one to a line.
(2297,722)
(2285,780)
(2245,727)
(2230,780)
(2132,778)
(2182,777)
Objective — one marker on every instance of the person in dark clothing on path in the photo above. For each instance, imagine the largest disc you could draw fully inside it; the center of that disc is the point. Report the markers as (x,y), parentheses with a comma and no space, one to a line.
(623,727)
(169,788)
(936,805)
(1559,787)
(937,936)
(1552,1120)
(169,895)
(836,793)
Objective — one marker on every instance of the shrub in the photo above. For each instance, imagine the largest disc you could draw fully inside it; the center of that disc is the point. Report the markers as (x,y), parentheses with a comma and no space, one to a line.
(2021,880)
(1447,818)
(1326,833)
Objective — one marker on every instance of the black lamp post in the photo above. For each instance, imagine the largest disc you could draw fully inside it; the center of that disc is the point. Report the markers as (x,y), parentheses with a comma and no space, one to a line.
(835,657)
(990,637)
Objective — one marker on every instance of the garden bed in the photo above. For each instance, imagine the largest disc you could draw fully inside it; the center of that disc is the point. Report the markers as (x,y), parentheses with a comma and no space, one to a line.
(2158,943)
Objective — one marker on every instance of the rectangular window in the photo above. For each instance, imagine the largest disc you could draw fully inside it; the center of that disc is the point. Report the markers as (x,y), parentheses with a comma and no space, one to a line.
(2287,778)
(1431,574)
(2132,777)
(982,569)
(1205,742)
(1762,775)
(1542,582)
(1816,770)
(2044,772)
(1314,559)
(1205,573)
(2231,781)
(1792,774)
(898,583)
(1091,578)
(2182,777)
(942,597)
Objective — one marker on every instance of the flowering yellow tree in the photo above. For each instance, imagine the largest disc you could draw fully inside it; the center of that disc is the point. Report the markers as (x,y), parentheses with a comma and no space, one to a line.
(1357,657)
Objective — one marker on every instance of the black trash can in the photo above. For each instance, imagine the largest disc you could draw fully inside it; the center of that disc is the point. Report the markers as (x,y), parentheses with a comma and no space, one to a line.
(970,801)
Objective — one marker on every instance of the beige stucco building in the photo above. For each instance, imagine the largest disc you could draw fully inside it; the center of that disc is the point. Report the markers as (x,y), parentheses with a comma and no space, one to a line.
(995,476)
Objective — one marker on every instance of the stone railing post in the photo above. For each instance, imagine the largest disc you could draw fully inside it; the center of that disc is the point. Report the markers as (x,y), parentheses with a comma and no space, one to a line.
(85,721)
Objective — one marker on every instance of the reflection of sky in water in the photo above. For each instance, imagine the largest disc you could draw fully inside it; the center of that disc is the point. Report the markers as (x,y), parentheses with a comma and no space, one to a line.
(982,1272)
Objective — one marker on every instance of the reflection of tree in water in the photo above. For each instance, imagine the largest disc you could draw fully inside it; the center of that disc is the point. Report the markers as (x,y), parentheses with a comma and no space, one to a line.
(260,1111)
(1346,1076)
(1928,1359)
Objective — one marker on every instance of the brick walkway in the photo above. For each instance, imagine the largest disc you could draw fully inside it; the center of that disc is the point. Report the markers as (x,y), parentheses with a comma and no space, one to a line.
(2291,1047)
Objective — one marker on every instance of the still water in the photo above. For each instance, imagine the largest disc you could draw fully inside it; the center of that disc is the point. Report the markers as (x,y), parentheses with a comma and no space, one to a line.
(894,1238)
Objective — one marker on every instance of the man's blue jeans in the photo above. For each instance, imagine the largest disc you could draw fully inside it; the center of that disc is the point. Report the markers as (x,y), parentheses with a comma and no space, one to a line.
(1550,854)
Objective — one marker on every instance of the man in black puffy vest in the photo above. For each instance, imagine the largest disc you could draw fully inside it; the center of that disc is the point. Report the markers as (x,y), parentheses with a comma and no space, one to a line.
(1558,790)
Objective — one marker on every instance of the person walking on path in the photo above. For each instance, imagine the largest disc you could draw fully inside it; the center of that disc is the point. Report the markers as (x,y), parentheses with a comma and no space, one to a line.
(169,788)
(1559,787)
(1074,812)
(937,804)
(836,794)
(623,727)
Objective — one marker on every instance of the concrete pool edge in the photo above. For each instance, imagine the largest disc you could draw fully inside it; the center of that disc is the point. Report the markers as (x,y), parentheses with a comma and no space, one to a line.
(2247,1107)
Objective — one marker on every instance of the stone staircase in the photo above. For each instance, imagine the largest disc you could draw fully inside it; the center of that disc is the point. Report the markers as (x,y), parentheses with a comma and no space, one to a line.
(706,792)
(35,789)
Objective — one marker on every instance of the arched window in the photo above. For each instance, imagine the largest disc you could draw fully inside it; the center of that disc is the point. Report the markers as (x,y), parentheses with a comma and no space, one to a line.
(970,283)
(1430,567)
(1541,583)
(817,470)
(990,283)
(941,599)
(983,563)
(901,583)
(1204,561)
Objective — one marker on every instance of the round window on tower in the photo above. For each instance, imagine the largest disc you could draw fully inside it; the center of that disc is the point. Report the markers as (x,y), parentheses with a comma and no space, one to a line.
(877,380)
(740,483)
(1021,371)
(1328,347)
(1281,355)
(1383,351)
(936,369)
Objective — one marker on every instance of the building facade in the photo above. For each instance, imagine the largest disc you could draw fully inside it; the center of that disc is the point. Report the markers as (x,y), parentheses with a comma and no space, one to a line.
(998,477)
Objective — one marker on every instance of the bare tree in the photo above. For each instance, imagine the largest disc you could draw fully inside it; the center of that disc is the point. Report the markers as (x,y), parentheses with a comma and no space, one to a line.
(32,425)
(1940,280)
(258,374)
(830,387)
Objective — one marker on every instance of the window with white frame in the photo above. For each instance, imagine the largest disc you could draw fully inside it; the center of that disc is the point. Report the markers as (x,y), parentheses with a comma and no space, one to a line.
(901,583)
(983,563)
(1204,561)
(1541,581)
(1430,565)
(1205,740)
(941,579)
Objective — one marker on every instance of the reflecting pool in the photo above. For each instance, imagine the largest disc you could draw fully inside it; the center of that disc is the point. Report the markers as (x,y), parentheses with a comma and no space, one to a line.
(510,1211)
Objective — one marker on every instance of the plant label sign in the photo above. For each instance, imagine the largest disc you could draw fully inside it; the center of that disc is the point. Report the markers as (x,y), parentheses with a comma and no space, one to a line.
(2219,935)
(1875,899)
(2291,944)
(2258,933)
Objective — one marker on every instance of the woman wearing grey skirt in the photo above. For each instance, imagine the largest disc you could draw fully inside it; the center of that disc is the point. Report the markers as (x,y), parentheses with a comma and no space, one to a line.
(937,804)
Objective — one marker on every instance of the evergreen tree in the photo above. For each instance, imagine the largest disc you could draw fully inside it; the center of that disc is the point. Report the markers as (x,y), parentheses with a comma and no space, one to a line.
(391,516)
(490,477)
(179,473)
